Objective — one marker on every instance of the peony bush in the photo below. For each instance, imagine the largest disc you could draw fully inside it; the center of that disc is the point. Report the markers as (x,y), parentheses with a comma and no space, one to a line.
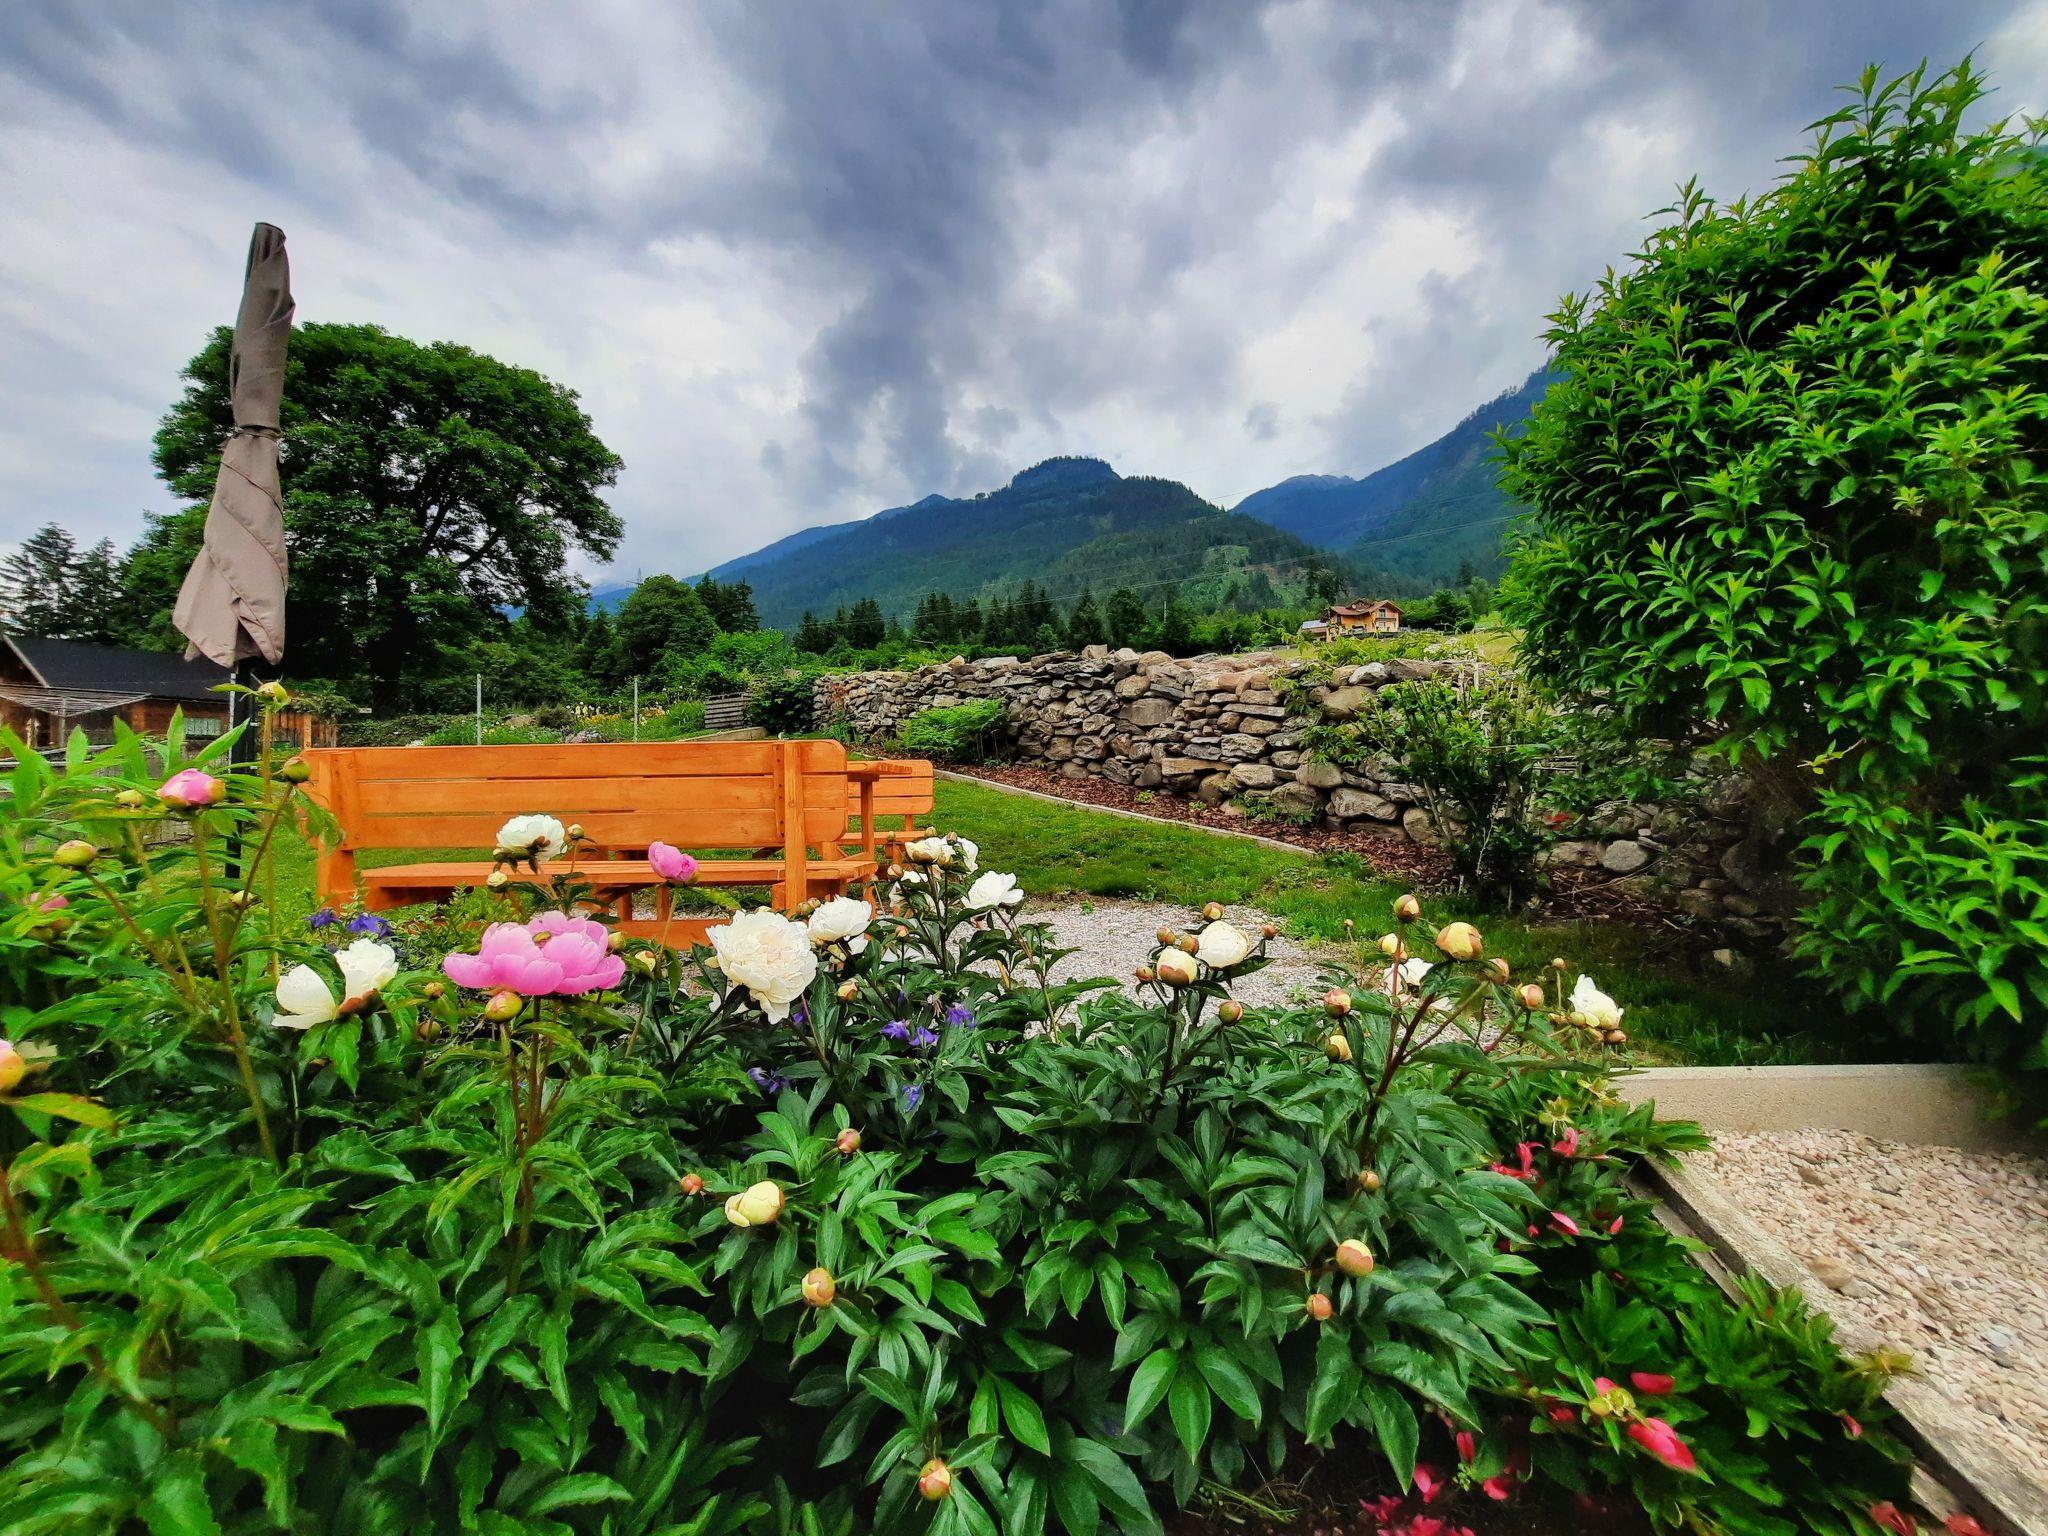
(854,1220)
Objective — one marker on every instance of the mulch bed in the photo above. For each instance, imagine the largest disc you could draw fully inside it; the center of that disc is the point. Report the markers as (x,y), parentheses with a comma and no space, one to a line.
(1328,1503)
(1574,893)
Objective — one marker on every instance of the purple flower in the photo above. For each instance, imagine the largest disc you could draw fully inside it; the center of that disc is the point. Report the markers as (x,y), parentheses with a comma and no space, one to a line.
(768,1082)
(369,923)
(923,1040)
(960,1014)
(324,918)
(896,1029)
(913,1095)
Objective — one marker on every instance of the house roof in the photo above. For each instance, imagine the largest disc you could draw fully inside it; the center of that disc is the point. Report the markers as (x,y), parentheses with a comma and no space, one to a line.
(1364,606)
(78,666)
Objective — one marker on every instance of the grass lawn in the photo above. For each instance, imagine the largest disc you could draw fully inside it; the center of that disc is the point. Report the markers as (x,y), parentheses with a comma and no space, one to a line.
(1677,1011)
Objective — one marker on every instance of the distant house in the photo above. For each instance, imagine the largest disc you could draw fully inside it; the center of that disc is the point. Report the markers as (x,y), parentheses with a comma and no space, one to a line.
(1372,616)
(49,688)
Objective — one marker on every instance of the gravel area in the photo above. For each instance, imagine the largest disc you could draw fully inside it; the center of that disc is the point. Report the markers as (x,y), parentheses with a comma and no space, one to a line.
(1932,1250)
(1114,938)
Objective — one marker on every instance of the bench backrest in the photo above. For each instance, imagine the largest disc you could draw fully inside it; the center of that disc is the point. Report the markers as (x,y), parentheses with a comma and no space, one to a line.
(908,792)
(703,794)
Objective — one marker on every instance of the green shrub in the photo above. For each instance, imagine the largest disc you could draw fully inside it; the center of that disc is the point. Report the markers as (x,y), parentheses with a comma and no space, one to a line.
(780,702)
(746,1250)
(1788,493)
(972,732)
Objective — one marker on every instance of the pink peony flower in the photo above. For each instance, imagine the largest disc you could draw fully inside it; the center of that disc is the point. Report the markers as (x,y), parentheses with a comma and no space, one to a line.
(1662,1442)
(1564,1224)
(56,903)
(190,790)
(507,959)
(1567,1145)
(671,863)
(1852,1426)
(587,965)
(1651,1384)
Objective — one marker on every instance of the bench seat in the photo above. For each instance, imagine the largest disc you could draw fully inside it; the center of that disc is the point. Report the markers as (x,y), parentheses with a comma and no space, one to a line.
(614,874)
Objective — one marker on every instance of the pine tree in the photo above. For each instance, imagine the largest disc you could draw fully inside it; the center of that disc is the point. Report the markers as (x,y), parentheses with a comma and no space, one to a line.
(813,636)
(1176,629)
(1125,617)
(1085,625)
(864,628)
(38,584)
(731,604)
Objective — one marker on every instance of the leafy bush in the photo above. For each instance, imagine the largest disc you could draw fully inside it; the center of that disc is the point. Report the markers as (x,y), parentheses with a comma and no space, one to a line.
(463,733)
(960,733)
(873,1227)
(1788,495)
(780,702)
(1478,755)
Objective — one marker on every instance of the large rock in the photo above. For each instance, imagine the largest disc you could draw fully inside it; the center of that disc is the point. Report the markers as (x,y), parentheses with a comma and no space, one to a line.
(1147,712)
(1213,790)
(1253,776)
(1240,748)
(1345,703)
(1574,854)
(1296,800)
(1319,775)
(1130,687)
(1183,767)
(1416,822)
(1349,804)
(1624,857)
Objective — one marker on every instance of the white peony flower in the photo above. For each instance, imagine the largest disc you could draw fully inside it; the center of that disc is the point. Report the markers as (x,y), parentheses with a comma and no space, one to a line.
(770,956)
(1174,966)
(1596,1005)
(1220,946)
(993,890)
(540,837)
(931,850)
(303,997)
(842,919)
(1415,971)
(970,853)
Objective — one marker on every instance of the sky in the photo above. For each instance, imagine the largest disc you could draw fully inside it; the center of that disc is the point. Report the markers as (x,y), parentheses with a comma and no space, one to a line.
(803,261)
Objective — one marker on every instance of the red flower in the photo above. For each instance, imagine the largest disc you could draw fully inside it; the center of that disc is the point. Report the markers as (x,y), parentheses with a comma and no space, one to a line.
(1960,1524)
(1428,1482)
(1892,1518)
(1602,1384)
(1651,1384)
(1851,1426)
(1614,1226)
(1662,1442)
(1381,1511)
(1498,1486)
(1467,1446)
(1564,1224)
(1567,1145)
(1563,1413)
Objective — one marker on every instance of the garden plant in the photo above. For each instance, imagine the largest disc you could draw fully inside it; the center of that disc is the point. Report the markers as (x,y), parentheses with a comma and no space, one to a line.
(501,1222)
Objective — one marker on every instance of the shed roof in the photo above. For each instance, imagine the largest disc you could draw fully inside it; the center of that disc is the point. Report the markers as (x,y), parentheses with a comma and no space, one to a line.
(80,666)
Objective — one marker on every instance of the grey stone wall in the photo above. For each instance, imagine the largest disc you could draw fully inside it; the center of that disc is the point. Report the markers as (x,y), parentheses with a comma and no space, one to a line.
(1214,728)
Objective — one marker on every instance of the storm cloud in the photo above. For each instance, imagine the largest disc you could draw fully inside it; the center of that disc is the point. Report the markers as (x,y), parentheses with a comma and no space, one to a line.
(804,262)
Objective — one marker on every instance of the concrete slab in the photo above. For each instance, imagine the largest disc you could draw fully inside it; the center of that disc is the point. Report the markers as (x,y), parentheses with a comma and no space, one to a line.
(1930,1106)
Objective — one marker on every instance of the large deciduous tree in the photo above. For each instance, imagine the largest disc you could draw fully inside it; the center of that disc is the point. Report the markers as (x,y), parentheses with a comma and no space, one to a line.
(1789,495)
(426,487)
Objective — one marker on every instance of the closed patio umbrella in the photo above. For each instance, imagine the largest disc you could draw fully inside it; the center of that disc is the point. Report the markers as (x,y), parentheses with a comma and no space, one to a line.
(231,606)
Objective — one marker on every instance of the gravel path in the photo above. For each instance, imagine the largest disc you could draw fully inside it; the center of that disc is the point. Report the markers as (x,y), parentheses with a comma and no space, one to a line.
(1939,1252)
(1114,938)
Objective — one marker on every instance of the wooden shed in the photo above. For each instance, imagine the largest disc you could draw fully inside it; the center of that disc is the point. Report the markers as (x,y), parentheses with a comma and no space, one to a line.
(49,688)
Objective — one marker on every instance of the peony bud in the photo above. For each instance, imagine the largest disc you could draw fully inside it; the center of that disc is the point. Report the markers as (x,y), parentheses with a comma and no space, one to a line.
(1337,1047)
(1531,996)
(848,991)
(755,1206)
(1319,1306)
(574,831)
(129,799)
(295,770)
(1187,944)
(820,1287)
(1617,1037)
(1336,1002)
(1213,912)
(934,1481)
(1268,931)
(1391,946)
(1497,968)
(497,880)
(273,693)
(433,991)
(1459,940)
(645,961)
(1406,909)
(614,941)
(1174,967)
(1559,964)
(1369,1181)
(503,1006)
(1230,1011)
(1145,973)
(1354,1258)
(75,854)
(12,1066)
(190,790)
(847,1142)
(691,1184)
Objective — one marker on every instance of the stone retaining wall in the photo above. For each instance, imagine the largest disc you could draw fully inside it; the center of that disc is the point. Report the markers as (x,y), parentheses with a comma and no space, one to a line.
(1215,728)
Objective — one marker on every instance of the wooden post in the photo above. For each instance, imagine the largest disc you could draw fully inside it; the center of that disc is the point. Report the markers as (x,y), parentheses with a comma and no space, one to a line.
(795,854)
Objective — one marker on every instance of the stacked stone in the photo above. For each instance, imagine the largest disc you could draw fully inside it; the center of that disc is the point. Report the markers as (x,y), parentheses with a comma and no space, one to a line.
(1213,728)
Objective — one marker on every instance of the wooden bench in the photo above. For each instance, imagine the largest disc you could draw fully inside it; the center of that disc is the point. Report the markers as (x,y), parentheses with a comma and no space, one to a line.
(902,786)
(790,797)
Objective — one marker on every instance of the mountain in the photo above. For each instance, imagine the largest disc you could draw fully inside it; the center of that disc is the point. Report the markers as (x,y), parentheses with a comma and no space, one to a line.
(1067,524)
(1420,516)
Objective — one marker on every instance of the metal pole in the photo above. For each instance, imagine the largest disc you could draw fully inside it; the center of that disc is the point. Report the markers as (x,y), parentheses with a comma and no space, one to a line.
(479,709)
(636,708)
